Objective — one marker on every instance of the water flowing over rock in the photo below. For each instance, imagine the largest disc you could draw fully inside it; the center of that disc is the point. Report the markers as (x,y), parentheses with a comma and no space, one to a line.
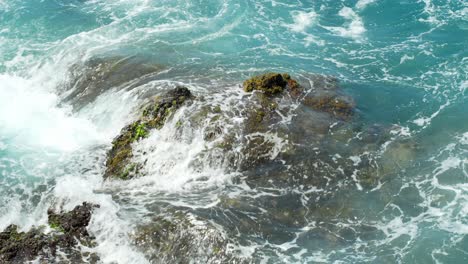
(178,239)
(279,135)
(119,163)
(97,75)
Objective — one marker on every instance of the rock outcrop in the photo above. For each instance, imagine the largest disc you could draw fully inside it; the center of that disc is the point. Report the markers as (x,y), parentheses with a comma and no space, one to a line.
(95,76)
(177,239)
(68,232)
(119,160)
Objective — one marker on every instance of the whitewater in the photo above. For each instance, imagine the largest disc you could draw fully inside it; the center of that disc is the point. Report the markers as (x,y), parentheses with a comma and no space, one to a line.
(387,185)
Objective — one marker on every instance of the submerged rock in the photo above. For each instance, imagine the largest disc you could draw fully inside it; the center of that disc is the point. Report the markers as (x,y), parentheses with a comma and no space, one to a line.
(333,105)
(95,76)
(177,239)
(295,117)
(68,231)
(119,164)
(279,116)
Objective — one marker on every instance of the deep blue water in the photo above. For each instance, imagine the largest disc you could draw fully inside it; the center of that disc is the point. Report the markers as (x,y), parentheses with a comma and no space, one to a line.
(404,62)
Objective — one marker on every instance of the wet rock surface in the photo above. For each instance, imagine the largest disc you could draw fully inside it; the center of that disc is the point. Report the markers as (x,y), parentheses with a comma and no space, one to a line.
(279,124)
(269,83)
(297,148)
(182,239)
(95,76)
(331,104)
(119,161)
(61,245)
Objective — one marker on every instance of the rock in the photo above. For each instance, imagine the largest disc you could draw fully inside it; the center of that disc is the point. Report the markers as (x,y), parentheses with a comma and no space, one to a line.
(177,239)
(331,104)
(73,222)
(295,117)
(118,164)
(95,76)
(69,229)
(268,83)
(19,247)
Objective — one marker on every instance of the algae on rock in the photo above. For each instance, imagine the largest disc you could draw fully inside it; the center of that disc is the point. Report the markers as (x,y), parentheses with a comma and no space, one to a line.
(118,164)
(269,83)
(68,231)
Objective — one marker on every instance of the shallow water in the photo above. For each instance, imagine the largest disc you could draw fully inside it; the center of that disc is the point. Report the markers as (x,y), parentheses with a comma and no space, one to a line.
(405,64)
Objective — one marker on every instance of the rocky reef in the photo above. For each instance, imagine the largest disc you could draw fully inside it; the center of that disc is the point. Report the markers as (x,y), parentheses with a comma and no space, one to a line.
(278,96)
(280,134)
(275,95)
(178,239)
(119,163)
(62,244)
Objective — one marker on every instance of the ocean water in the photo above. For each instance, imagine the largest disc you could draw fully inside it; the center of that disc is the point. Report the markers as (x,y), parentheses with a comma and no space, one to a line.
(405,63)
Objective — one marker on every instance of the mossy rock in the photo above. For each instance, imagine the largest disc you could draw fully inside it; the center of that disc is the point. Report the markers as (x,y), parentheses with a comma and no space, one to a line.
(269,83)
(261,113)
(69,229)
(19,247)
(154,115)
(73,222)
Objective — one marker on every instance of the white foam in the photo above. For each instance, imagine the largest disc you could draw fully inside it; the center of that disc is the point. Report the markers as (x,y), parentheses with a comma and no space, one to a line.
(356,160)
(425,121)
(361,4)
(309,39)
(169,158)
(430,10)
(463,86)
(31,117)
(447,164)
(464,139)
(24,104)
(302,20)
(406,58)
(111,232)
(278,143)
(354,26)
(3,4)
(422,121)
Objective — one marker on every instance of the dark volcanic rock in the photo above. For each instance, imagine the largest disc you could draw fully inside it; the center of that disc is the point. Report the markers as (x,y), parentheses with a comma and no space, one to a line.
(19,247)
(119,163)
(73,222)
(69,229)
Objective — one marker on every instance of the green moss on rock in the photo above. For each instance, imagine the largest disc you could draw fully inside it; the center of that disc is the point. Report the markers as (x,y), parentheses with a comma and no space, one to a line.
(140,131)
(153,117)
(22,247)
(269,83)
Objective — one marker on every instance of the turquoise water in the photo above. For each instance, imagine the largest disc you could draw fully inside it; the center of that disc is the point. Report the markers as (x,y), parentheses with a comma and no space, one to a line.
(405,63)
